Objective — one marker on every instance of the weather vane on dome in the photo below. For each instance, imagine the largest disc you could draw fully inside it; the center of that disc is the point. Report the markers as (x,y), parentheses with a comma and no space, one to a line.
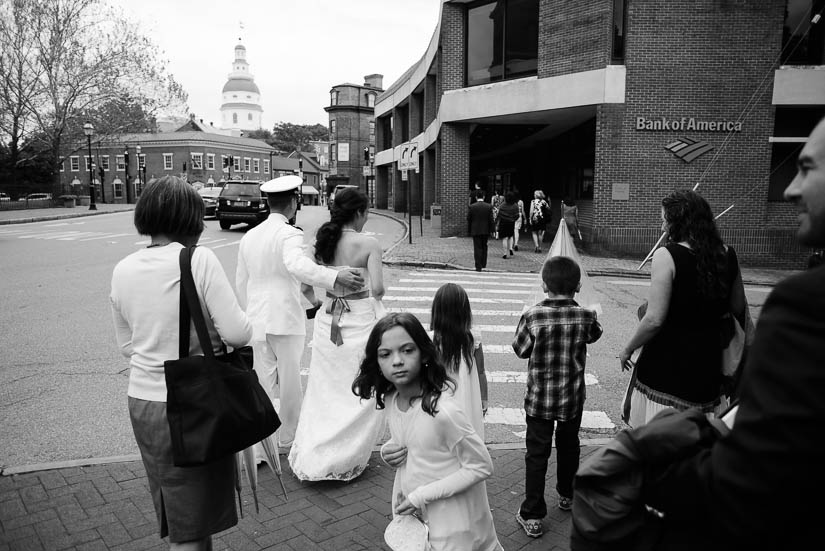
(240,24)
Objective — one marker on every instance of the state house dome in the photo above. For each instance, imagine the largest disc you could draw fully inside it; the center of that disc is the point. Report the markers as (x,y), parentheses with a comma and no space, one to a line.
(241,99)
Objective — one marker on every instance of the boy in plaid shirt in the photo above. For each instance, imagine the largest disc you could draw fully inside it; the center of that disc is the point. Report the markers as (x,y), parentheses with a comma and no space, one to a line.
(554,335)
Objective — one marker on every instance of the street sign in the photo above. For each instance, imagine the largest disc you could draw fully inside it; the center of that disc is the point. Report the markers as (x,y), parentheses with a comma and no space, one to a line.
(409,156)
(367,171)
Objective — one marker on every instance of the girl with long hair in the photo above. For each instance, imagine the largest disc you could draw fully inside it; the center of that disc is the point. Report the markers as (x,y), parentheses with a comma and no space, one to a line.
(459,348)
(442,479)
(336,432)
(695,281)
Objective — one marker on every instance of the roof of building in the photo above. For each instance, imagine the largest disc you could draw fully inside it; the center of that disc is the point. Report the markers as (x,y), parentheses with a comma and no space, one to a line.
(192,136)
(241,85)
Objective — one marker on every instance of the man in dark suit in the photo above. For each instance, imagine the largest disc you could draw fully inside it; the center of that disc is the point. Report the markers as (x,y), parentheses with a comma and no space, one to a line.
(762,485)
(480,220)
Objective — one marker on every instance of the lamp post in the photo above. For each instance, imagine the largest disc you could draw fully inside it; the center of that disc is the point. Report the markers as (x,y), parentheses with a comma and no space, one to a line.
(271,172)
(126,175)
(137,171)
(89,130)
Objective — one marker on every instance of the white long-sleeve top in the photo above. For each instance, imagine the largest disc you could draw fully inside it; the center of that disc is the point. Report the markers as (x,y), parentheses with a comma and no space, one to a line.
(271,266)
(145,301)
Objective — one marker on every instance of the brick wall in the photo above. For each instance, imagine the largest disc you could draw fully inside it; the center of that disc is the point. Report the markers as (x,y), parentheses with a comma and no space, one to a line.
(574,36)
(682,61)
(455,174)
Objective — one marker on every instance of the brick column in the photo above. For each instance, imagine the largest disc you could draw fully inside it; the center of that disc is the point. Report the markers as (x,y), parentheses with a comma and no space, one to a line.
(455,179)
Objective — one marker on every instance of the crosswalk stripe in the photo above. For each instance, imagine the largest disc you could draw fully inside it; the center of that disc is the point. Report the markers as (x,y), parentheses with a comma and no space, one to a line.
(106,236)
(593,420)
(476,275)
(477,300)
(498,284)
(469,291)
(75,237)
(476,313)
(227,244)
(40,235)
(520,377)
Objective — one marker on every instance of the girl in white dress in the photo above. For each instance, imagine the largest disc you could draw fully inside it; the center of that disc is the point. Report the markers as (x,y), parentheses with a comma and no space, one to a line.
(442,477)
(460,350)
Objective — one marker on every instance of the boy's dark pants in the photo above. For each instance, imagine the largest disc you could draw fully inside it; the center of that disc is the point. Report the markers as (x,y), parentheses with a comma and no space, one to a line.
(539,442)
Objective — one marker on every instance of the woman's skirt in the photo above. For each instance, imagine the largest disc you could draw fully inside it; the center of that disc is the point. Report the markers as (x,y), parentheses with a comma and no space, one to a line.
(191,503)
(505,228)
(645,403)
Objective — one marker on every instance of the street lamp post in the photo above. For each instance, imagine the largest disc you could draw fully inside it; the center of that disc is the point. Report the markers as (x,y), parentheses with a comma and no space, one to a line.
(271,171)
(126,175)
(89,130)
(137,170)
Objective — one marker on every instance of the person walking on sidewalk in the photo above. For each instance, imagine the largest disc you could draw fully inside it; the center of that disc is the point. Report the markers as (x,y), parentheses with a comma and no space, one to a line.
(521,223)
(191,503)
(554,335)
(481,225)
(539,218)
(761,486)
(271,268)
(506,221)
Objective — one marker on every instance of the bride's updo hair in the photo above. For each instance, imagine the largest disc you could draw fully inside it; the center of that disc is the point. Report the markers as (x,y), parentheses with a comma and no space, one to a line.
(349,202)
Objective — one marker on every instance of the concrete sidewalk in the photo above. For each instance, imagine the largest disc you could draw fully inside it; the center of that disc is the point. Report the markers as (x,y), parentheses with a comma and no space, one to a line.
(22,216)
(108,506)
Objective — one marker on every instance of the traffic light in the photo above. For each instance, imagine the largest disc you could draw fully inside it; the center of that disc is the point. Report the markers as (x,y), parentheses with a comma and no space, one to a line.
(366,154)
(101,172)
(184,167)
(126,160)
(225,162)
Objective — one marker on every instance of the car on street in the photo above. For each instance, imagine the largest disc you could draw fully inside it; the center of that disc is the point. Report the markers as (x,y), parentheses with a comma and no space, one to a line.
(36,197)
(336,190)
(241,201)
(209,194)
(4,196)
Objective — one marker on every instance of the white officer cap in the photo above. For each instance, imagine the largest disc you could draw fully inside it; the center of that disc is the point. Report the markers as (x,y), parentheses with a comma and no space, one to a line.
(282,184)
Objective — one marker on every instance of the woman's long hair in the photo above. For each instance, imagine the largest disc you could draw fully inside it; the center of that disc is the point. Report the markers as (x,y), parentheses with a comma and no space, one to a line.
(433,375)
(349,202)
(688,218)
(451,321)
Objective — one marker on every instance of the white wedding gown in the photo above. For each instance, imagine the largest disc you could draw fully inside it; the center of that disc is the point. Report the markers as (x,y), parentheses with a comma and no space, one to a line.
(337,430)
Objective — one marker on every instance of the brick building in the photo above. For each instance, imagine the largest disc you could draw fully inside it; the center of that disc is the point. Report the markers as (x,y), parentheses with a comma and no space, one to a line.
(352,131)
(613,104)
(191,154)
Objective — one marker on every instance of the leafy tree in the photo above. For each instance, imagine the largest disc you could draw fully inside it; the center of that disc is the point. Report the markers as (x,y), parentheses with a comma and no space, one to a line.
(287,137)
(85,60)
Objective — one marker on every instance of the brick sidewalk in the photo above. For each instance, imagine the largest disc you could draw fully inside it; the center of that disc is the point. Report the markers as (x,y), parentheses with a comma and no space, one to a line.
(109,507)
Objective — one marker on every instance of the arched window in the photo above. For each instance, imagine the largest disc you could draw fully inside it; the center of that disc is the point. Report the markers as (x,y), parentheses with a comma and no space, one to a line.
(333,97)
(370,100)
(234,118)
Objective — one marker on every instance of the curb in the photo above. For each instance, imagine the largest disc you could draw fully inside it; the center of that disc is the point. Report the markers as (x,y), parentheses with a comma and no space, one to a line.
(95,461)
(61,216)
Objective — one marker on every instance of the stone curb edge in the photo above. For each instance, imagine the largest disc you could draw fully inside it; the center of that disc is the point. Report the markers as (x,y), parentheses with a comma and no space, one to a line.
(60,216)
(95,461)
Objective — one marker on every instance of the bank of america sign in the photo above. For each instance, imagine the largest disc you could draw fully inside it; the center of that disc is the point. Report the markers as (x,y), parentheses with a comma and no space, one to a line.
(688,149)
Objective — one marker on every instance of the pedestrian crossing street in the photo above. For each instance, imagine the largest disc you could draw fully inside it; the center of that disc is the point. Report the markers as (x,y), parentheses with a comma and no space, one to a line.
(497,300)
(62,231)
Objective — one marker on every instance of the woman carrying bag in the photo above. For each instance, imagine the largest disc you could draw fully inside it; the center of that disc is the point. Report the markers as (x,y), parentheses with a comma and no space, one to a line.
(191,503)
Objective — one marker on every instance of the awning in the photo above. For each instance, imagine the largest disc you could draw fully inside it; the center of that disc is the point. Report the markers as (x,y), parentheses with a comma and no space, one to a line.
(308,190)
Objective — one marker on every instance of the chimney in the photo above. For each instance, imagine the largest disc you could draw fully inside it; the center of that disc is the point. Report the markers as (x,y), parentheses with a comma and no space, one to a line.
(374,81)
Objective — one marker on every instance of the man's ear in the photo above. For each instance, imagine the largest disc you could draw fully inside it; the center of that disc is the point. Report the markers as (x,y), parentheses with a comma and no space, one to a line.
(544,287)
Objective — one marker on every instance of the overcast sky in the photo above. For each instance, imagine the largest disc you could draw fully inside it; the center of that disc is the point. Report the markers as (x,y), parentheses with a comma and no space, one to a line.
(296,50)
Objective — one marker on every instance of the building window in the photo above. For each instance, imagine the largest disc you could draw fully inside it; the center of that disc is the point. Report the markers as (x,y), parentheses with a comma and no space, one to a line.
(104,162)
(197,161)
(74,163)
(333,97)
(333,149)
(372,131)
(88,162)
(62,165)
(256,165)
(168,161)
(210,161)
(332,128)
(247,164)
(802,42)
(236,163)
(619,22)
(118,187)
(266,166)
(234,118)
(121,162)
(370,100)
(142,160)
(502,41)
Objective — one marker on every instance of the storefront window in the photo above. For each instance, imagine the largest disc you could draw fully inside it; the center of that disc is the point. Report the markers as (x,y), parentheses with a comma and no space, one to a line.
(502,40)
(802,42)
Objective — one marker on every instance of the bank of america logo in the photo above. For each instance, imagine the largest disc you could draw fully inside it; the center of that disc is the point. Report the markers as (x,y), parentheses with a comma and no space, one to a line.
(688,149)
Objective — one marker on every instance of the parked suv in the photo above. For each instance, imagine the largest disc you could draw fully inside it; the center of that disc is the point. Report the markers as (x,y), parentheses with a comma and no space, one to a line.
(241,201)
(335,191)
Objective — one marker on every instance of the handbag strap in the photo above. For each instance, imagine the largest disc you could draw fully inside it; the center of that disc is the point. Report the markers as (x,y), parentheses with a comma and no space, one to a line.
(190,308)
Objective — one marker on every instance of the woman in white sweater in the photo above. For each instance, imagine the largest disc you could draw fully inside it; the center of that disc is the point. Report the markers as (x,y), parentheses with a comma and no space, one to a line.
(191,503)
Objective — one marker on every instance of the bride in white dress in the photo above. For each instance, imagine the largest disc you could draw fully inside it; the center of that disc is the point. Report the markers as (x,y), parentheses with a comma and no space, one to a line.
(337,430)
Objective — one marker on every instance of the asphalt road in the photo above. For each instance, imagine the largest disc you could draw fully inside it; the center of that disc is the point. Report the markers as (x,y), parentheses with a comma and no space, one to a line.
(63,381)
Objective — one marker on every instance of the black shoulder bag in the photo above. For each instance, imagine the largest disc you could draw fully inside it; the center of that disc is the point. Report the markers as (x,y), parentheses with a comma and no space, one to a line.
(215,404)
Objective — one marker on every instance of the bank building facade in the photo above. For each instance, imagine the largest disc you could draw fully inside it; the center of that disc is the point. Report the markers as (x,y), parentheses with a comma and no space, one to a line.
(611,105)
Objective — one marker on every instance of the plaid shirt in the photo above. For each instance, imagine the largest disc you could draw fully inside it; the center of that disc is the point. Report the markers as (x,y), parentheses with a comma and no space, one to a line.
(554,335)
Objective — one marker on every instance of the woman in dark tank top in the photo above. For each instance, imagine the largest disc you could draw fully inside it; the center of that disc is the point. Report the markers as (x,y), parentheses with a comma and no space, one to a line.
(691,281)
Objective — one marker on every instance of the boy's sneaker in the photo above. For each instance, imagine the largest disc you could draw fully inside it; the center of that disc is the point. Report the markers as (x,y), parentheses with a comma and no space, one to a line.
(565,503)
(532,526)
